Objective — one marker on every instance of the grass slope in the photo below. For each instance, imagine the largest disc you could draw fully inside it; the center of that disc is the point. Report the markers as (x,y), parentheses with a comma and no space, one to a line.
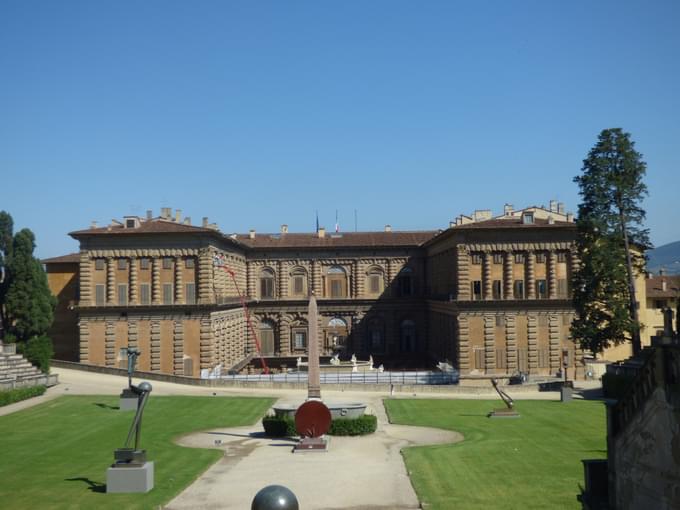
(55,455)
(529,462)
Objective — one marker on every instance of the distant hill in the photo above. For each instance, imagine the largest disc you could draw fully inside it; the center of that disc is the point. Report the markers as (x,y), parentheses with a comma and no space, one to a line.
(666,256)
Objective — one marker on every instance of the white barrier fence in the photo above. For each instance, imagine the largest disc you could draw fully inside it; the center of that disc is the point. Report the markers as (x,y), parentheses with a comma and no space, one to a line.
(329,377)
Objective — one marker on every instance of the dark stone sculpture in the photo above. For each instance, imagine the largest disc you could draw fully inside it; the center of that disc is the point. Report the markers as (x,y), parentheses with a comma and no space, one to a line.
(275,497)
(132,456)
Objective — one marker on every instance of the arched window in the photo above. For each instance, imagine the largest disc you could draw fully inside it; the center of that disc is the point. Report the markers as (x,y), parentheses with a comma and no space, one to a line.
(405,280)
(337,322)
(267,283)
(408,336)
(298,282)
(375,281)
(267,338)
(376,336)
(336,286)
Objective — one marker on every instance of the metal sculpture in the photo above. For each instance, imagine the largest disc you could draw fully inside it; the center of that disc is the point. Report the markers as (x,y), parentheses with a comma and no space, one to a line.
(132,456)
(509,410)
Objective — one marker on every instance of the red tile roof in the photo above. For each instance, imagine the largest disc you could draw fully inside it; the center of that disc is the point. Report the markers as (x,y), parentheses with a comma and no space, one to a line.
(332,240)
(63,259)
(515,223)
(655,286)
(145,227)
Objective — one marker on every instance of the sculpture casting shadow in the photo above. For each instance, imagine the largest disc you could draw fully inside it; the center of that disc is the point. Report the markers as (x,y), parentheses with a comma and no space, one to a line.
(93,486)
(107,406)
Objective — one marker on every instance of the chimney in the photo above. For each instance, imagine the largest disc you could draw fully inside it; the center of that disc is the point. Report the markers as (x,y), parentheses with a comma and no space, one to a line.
(662,271)
(560,208)
(187,220)
(178,215)
(205,222)
(251,233)
(452,224)
(321,232)
(663,286)
(507,210)
(388,228)
(553,206)
(93,224)
(166,212)
(570,217)
(149,214)
(551,220)
(649,274)
(284,229)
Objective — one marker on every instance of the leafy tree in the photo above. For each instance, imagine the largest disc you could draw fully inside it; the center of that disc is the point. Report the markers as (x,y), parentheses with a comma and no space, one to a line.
(6,234)
(29,305)
(609,221)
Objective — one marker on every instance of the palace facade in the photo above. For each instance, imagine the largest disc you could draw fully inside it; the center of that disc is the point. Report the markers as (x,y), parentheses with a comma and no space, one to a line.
(489,294)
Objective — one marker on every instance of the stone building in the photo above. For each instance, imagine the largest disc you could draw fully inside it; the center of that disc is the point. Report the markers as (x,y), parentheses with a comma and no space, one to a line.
(491,295)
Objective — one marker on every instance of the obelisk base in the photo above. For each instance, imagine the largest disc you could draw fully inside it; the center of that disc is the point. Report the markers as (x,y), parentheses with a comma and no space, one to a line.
(311,444)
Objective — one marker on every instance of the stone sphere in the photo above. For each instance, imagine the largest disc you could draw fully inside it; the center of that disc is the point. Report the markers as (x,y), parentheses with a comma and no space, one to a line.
(275,497)
(145,386)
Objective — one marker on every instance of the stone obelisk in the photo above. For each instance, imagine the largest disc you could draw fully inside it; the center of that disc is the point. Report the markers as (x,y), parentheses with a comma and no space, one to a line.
(313,379)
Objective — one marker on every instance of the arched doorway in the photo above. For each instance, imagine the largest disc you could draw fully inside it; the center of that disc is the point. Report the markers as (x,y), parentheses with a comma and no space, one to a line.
(336,336)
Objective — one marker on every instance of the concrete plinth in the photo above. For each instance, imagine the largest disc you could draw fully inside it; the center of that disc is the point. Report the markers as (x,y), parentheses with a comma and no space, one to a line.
(128,403)
(566,394)
(130,479)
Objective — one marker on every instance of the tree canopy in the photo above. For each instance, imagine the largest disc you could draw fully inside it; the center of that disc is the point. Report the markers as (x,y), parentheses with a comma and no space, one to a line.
(611,241)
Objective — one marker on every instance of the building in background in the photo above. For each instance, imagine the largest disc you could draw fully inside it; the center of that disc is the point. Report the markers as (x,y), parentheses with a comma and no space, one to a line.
(489,294)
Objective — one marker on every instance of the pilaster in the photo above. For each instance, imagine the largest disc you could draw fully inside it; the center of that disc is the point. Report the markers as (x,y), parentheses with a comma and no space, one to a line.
(489,344)
(486,275)
(531,275)
(205,276)
(85,269)
(110,281)
(84,334)
(179,285)
(206,344)
(532,342)
(110,344)
(463,344)
(511,342)
(178,348)
(134,294)
(463,266)
(552,274)
(554,342)
(508,287)
(156,281)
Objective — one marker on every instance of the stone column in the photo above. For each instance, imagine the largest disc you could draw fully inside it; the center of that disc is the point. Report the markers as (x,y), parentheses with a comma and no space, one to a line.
(390,277)
(355,279)
(554,343)
(508,284)
(532,342)
(313,370)
(281,280)
(316,278)
(552,274)
(463,266)
(178,348)
(110,344)
(155,281)
(205,276)
(85,268)
(574,264)
(134,294)
(530,272)
(463,344)
(110,281)
(179,285)
(489,344)
(84,334)
(155,345)
(206,344)
(486,275)
(511,342)
(284,336)
(132,333)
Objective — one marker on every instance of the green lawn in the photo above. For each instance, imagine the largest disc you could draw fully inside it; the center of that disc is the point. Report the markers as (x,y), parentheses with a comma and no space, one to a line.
(529,462)
(55,455)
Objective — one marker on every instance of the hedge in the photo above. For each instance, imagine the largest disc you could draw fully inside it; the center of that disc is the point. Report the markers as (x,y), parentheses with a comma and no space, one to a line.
(19,394)
(275,426)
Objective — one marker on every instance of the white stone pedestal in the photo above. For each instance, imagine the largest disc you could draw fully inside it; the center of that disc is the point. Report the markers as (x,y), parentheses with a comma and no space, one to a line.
(130,479)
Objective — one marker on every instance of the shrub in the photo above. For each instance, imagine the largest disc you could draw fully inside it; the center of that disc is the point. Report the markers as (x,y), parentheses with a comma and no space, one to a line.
(364,424)
(38,350)
(275,426)
(19,394)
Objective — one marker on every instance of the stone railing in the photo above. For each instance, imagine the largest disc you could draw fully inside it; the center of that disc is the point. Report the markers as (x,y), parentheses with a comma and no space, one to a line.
(660,369)
(8,349)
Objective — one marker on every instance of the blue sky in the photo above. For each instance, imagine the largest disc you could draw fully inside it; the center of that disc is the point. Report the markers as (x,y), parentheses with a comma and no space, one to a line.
(260,113)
